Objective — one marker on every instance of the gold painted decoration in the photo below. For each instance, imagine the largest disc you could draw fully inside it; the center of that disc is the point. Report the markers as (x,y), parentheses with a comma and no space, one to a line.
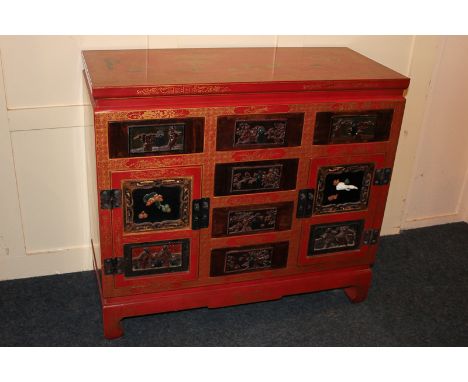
(183,89)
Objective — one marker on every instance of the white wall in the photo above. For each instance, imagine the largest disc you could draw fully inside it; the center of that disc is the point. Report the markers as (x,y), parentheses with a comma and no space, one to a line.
(44,225)
(438,191)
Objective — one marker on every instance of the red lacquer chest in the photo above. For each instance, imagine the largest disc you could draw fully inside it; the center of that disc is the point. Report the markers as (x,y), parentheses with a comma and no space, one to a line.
(228,176)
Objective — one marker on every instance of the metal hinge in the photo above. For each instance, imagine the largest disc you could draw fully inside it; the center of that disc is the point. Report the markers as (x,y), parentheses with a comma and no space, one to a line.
(110,199)
(382,176)
(305,203)
(371,236)
(114,266)
(200,213)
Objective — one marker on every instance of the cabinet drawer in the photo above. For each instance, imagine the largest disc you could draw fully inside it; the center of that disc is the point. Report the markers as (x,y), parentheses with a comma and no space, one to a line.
(254,177)
(352,127)
(228,261)
(238,132)
(245,220)
(155,137)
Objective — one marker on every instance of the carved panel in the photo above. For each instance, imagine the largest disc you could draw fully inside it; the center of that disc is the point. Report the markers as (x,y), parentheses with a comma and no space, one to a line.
(256,178)
(251,221)
(335,237)
(156,204)
(343,188)
(157,138)
(156,257)
(346,128)
(248,259)
(260,132)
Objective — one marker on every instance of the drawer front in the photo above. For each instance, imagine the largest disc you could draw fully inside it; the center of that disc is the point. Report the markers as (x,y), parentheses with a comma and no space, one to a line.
(155,137)
(352,127)
(245,220)
(254,177)
(238,132)
(229,261)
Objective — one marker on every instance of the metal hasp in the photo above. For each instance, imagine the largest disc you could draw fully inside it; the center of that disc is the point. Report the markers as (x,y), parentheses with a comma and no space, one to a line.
(371,236)
(110,199)
(305,203)
(200,213)
(114,266)
(382,176)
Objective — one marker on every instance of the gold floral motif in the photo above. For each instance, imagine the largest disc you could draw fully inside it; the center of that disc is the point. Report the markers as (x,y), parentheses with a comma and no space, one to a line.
(258,155)
(183,89)
(235,201)
(259,109)
(147,163)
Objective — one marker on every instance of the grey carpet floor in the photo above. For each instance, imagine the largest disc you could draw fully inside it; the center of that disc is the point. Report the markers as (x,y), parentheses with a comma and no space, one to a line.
(419,297)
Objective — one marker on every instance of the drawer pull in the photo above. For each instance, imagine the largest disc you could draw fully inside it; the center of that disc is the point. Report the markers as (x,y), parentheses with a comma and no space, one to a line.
(200,213)
(305,203)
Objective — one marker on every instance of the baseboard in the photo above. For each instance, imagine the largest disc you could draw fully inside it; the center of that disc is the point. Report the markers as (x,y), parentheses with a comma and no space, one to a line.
(430,221)
(58,261)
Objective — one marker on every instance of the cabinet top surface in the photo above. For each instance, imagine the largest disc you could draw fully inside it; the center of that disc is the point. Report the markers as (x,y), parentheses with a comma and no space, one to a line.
(157,72)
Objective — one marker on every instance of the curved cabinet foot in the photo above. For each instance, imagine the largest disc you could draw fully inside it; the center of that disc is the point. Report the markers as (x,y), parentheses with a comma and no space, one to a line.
(112,326)
(357,293)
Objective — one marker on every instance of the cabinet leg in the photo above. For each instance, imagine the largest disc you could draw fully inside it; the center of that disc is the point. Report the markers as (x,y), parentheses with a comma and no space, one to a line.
(357,293)
(111,322)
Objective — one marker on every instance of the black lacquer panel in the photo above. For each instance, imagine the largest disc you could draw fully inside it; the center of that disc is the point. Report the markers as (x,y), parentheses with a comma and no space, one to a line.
(352,127)
(156,204)
(256,178)
(228,261)
(156,138)
(343,188)
(251,221)
(335,237)
(260,132)
(157,257)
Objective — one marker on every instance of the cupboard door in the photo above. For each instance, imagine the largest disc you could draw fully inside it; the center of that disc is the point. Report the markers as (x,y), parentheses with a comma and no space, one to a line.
(339,231)
(152,233)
